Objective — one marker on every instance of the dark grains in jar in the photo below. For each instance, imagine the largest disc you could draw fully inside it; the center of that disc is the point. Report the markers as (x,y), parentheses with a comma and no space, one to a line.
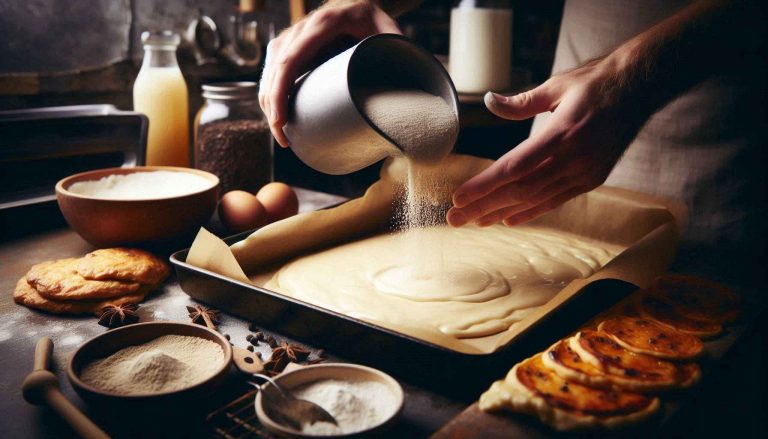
(239,152)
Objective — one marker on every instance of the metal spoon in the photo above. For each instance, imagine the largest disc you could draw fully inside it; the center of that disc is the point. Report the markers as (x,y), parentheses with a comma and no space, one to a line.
(284,408)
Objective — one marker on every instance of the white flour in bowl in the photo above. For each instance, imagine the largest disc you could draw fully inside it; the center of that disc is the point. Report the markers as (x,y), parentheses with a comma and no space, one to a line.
(356,405)
(167,363)
(141,185)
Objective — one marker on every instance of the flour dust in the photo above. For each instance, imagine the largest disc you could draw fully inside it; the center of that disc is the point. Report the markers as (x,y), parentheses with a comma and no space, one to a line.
(425,128)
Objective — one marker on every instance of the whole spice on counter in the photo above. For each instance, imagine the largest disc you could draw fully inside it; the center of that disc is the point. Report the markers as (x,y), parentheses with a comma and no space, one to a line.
(285,353)
(113,316)
(239,152)
(356,405)
(167,363)
(202,316)
(270,340)
(293,352)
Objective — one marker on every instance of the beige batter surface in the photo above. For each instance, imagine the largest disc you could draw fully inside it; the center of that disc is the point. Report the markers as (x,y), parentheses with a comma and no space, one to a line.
(462,282)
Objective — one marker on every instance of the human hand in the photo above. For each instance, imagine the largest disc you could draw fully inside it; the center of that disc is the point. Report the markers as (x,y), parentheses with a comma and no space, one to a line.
(594,118)
(292,53)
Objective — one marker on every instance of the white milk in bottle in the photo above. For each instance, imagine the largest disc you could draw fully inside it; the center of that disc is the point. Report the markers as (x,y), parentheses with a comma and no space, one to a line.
(161,94)
(480,49)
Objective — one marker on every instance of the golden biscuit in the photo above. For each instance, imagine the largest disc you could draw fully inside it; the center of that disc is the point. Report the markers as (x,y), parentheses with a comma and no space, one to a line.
(532,388)
(651,338)
(26,295)
(125,264)
(698,299)
(59,280)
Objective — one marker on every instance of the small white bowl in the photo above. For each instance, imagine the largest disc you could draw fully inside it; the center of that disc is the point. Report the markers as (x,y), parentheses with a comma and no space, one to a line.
(336,371)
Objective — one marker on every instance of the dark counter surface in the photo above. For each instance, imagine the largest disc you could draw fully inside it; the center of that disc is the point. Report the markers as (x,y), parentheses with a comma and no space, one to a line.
(732,398)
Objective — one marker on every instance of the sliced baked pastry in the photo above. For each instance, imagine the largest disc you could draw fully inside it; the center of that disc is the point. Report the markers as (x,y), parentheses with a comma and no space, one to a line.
(633,371)
(569,364)
(646,336)
(532,388)
(650,306)
(697,299)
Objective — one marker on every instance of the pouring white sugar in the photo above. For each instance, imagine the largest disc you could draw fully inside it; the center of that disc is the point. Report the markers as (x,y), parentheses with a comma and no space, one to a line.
(141,185)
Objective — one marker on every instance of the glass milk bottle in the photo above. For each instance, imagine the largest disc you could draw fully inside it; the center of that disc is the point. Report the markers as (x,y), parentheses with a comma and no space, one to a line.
(480,52)
(161,94)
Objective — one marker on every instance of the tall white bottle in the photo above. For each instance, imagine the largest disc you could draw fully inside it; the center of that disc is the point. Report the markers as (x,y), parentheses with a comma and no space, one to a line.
(161,93)
(480,52)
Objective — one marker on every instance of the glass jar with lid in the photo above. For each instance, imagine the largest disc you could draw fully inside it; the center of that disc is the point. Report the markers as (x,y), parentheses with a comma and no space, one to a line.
(232,137)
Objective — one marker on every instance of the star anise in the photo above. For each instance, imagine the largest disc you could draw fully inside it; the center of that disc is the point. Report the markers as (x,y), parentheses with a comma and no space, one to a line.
(294,352)
(113,316)
(276,363)
(203,316)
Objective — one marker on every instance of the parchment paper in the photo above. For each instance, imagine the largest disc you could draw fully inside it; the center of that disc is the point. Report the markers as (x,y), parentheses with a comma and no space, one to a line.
(646,228)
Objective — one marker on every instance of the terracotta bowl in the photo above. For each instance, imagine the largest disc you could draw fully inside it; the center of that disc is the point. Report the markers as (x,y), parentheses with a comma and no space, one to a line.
(107,222)
(112,341)
(338,371)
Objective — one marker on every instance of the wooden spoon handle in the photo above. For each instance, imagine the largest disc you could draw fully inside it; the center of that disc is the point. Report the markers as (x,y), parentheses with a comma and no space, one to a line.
(208,322)
(43,351)
(74,417)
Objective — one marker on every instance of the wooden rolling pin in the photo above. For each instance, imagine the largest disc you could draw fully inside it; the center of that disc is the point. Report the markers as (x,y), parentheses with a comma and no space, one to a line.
(41,387)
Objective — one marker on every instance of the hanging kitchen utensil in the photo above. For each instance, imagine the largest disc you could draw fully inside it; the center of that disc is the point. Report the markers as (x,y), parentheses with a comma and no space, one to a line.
(203,34)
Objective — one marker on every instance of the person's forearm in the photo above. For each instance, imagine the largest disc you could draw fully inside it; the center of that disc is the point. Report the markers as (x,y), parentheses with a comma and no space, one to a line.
(394,8)
(398,7)
(699,41)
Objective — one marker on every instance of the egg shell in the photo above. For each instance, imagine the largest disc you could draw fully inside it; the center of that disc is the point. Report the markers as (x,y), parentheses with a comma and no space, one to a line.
(279,200)
(241,211)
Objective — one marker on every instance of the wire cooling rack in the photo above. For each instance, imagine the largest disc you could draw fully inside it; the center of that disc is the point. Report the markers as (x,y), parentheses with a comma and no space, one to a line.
(238,420)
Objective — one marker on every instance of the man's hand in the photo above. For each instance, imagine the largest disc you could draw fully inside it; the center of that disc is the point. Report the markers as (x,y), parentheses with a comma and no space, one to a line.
(573,152)
(598,108)
(292,53)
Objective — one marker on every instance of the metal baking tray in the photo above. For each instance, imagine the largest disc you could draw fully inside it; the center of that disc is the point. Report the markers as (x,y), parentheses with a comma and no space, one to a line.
(40,146)
(367,343)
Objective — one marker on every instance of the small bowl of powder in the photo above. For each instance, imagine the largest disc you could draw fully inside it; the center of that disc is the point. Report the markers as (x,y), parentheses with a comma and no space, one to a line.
(364,401)
(150,365)
(146,204)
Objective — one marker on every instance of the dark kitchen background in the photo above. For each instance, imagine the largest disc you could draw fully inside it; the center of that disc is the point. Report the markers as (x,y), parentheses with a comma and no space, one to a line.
(58,52)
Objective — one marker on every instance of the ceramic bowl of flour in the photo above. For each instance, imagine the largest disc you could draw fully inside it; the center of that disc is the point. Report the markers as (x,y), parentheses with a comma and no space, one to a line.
(150,366)
(146,204)
(364,401)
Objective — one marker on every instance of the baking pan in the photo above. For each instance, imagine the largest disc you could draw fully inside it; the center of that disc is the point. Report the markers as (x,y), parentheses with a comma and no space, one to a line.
(40,146)
(366,343)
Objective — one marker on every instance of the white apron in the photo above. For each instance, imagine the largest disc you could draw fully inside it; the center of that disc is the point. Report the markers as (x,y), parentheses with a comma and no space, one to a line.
(704,148)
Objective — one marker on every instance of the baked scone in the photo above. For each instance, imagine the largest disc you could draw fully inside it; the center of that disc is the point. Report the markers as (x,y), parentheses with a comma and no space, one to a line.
(667,314)
(124,264)
(638,372)
(696,298)
(532,388)
(648,337)
(59,280)
(26,295)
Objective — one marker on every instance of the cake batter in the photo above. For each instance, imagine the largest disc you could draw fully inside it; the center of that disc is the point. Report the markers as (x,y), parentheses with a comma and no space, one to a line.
(486,280)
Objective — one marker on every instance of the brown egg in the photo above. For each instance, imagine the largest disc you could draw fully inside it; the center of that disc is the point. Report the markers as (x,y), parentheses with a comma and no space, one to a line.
(241,211)
(279,200)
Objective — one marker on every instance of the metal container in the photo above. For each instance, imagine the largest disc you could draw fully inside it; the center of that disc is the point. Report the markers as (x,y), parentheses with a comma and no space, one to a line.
(327,128)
